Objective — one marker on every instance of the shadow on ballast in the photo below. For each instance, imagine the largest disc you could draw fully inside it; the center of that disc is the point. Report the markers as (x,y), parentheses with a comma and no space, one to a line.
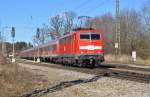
(62,85)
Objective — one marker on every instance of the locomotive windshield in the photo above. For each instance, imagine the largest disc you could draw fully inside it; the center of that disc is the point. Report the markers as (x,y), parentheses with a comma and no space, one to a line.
(90,36)
(95,36)
(84,36)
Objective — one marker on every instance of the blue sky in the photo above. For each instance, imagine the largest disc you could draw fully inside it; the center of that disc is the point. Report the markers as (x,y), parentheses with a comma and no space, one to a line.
(27,15)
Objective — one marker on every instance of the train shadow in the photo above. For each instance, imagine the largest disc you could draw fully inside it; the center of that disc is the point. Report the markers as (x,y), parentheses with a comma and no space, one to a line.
(101,66)
(105,66)
(60,86)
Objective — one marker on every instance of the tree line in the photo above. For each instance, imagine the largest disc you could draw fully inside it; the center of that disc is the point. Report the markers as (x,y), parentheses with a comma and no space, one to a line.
(19,46)
(134,28)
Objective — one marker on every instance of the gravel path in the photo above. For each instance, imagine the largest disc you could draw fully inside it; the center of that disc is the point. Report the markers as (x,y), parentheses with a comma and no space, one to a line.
(103,87)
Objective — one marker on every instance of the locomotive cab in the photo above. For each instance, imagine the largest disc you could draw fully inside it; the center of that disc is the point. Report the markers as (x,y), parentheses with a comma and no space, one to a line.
(90,47)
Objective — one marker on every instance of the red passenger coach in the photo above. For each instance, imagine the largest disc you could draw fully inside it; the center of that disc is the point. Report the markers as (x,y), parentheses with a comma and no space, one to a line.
(83,47)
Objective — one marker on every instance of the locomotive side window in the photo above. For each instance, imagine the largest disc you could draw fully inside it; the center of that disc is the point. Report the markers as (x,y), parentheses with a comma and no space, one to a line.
(95,36)
(84,36)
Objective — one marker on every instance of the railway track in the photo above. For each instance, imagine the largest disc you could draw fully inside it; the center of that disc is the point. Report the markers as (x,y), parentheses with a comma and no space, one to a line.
(138,75)
(128,67)
(127,73)
(60,86)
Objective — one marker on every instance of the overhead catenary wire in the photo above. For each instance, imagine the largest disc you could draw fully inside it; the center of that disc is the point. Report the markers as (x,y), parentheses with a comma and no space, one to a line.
(82,5)
(95,8)
(80,8)
(90,10)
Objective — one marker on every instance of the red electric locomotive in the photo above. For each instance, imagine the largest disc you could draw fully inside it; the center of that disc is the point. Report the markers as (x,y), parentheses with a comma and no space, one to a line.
(83,47)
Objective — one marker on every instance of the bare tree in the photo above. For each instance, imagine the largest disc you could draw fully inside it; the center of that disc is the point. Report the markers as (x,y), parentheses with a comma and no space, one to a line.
(130,29)
(35,39)
(69,20)
(41,36)
(105,22)
(49,33)
(46,34)
(145,20)
(56,24)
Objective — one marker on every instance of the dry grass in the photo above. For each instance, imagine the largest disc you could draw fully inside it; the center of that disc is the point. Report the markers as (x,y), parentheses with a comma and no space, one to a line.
(15,80)
(2,59)
(125,59)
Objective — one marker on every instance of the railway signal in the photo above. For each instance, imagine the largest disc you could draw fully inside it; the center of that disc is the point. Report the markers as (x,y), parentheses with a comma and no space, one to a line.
(38,33)
(13,32)
(13,36)
(38,37)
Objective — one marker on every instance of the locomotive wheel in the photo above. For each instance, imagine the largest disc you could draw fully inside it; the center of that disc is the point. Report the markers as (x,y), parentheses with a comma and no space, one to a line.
(92,63)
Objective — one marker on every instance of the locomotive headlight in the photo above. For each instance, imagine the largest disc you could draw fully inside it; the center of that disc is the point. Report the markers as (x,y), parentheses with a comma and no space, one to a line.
(81,52)
(99,52)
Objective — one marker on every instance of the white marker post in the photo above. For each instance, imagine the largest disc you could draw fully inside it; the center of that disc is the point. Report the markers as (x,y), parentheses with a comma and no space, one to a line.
(134,56)
(116,49)
(38,37)
(116,45)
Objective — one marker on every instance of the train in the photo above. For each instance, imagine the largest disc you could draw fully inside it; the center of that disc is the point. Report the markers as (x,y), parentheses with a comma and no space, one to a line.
(82,47)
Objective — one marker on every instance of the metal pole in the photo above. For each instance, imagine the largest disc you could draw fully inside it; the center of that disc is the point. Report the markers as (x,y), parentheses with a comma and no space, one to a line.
(13,49)
(1,40)
(34,51)
(3,45)
(118,40)
(13,54)
(1,37)
(38,59)
(38,37)
(13,36)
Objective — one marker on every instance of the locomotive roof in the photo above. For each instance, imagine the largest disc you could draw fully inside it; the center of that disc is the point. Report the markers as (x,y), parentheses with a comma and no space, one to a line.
(80,30)
(77,29)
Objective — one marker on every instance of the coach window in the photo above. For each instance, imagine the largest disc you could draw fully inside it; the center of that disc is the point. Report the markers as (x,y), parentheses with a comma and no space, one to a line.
(46,49)
(54,47)
(40,49)
(95,36)
(84,36)
(49,48)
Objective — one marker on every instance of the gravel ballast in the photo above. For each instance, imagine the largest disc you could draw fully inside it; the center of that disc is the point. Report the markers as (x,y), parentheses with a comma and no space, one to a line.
(103,87)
